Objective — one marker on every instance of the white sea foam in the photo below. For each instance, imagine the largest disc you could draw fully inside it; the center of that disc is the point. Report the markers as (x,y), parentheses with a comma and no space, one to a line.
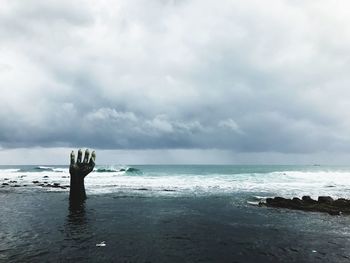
(6,171)
(285,183)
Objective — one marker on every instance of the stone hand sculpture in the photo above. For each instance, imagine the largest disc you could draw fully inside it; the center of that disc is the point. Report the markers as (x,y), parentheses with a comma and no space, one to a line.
(78,170)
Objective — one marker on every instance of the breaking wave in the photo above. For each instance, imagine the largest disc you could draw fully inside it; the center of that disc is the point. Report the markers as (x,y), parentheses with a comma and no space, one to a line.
(189,179)
(113,170)
(105,170)
(42,169)
(132,170)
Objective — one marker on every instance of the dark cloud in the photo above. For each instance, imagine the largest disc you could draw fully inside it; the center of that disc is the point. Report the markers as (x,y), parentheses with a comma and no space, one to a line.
(243,76)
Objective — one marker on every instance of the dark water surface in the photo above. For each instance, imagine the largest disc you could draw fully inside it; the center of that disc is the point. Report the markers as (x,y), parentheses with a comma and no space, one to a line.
(41,227)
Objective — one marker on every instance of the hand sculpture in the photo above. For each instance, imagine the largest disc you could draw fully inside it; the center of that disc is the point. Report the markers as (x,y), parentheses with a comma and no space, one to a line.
(78,170)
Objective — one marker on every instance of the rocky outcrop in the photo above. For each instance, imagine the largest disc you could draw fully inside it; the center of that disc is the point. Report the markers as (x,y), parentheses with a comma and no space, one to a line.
(323,204)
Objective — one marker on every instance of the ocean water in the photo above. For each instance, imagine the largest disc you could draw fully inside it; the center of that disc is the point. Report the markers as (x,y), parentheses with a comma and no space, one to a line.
(156,213)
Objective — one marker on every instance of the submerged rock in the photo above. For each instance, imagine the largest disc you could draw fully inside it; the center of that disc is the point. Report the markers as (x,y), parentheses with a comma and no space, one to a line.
(323,204)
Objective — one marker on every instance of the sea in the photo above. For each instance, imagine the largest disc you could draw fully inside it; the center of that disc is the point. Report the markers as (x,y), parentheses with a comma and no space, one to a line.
(171,213)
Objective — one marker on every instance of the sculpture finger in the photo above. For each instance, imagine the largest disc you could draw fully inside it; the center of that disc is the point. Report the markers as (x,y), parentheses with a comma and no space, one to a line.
(86,156)
(72,158)
(80,155)
(92,159)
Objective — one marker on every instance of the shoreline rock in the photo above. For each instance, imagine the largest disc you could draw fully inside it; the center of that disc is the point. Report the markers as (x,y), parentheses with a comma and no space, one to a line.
(324,204)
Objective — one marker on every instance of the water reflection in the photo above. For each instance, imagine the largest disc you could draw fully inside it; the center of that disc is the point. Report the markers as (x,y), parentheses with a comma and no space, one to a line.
(77,222)
(77,214)
(77,234)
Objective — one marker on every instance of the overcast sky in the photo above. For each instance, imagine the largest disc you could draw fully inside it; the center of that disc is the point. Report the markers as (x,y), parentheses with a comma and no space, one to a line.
(175,81)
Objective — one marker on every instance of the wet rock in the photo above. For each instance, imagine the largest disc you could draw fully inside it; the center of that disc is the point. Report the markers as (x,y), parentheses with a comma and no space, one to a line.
(342,202)
(308,199)
(12,182)
(323,204)
(35,182)
(142,189)
(297,201)
(335,212)
(16,185)
(54,185)
(325,199)
(5,184)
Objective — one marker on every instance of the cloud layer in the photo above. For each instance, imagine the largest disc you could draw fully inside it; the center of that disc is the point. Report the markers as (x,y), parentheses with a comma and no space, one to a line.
(247,76)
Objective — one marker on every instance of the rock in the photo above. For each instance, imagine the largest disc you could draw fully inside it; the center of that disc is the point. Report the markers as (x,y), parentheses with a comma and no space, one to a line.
(142,189)
(269,200)
(12,182)
(323,204)
(5,184)
(325,199)
(342,203)
(279,199)
(308,200)
(45,176)
(35,182)
(56,184)
(335,212)
(297,201)
(169,190)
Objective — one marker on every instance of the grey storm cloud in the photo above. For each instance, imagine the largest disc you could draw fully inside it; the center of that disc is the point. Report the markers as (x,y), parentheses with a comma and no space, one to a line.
(251,76)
